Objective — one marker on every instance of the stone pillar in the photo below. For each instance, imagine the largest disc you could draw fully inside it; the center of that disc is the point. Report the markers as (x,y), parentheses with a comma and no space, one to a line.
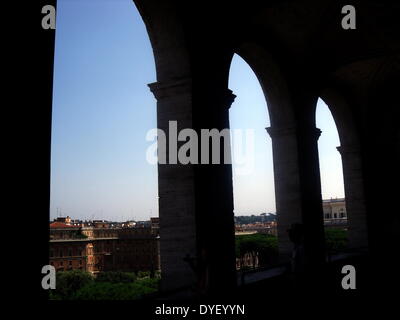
(287,185)
(298,189)
(310,178)
(354,194)
(176,190)
(195,200)
(214,201)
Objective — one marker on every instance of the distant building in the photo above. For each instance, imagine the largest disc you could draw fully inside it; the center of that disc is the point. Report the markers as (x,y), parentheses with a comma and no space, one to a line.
(102,247)
(334,211)
(258,227)
(101,224)
(155,222)
(66,220)
(130,224)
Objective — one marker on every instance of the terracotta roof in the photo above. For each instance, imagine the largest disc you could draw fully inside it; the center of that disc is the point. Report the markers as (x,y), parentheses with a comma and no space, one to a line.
(57,224)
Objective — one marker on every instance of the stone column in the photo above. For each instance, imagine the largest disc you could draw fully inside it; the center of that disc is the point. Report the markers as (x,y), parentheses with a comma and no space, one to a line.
(176,190)
(214,201)
(355,199)
(298,189)
(287,185)
(312,211)
(195,200)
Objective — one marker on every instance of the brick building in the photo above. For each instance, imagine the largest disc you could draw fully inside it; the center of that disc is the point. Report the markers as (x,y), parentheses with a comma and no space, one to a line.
(100,248)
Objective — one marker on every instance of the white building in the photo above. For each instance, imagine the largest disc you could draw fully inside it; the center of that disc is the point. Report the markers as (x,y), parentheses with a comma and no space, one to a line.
(334,209)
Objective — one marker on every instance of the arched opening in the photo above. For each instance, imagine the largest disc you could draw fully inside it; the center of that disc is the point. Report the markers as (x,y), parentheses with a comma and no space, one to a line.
(102,112)
(101,182)
(330,162)
(253,180)
(332,185)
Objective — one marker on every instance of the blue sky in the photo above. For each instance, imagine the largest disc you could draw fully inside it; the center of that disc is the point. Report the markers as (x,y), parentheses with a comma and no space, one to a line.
(102,110)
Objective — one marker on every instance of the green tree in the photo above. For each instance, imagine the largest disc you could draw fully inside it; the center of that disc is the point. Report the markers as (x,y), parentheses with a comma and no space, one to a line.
(143,274)
(69,282)
(80,285)
(117,291)
(335,239)
(116,277)
(263,246)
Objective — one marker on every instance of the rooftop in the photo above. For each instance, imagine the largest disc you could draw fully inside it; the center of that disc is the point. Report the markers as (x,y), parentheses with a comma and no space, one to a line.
(58,225)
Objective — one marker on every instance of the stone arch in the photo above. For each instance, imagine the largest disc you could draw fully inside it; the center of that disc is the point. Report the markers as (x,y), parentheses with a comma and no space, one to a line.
(294,143)
(167,39)
(342,115)
(350,150)
(272,81)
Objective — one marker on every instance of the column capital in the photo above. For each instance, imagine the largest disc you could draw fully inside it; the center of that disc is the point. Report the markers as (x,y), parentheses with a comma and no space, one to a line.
(170,88)
(346,149)
(275,132)
(227,98)
(316,132)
